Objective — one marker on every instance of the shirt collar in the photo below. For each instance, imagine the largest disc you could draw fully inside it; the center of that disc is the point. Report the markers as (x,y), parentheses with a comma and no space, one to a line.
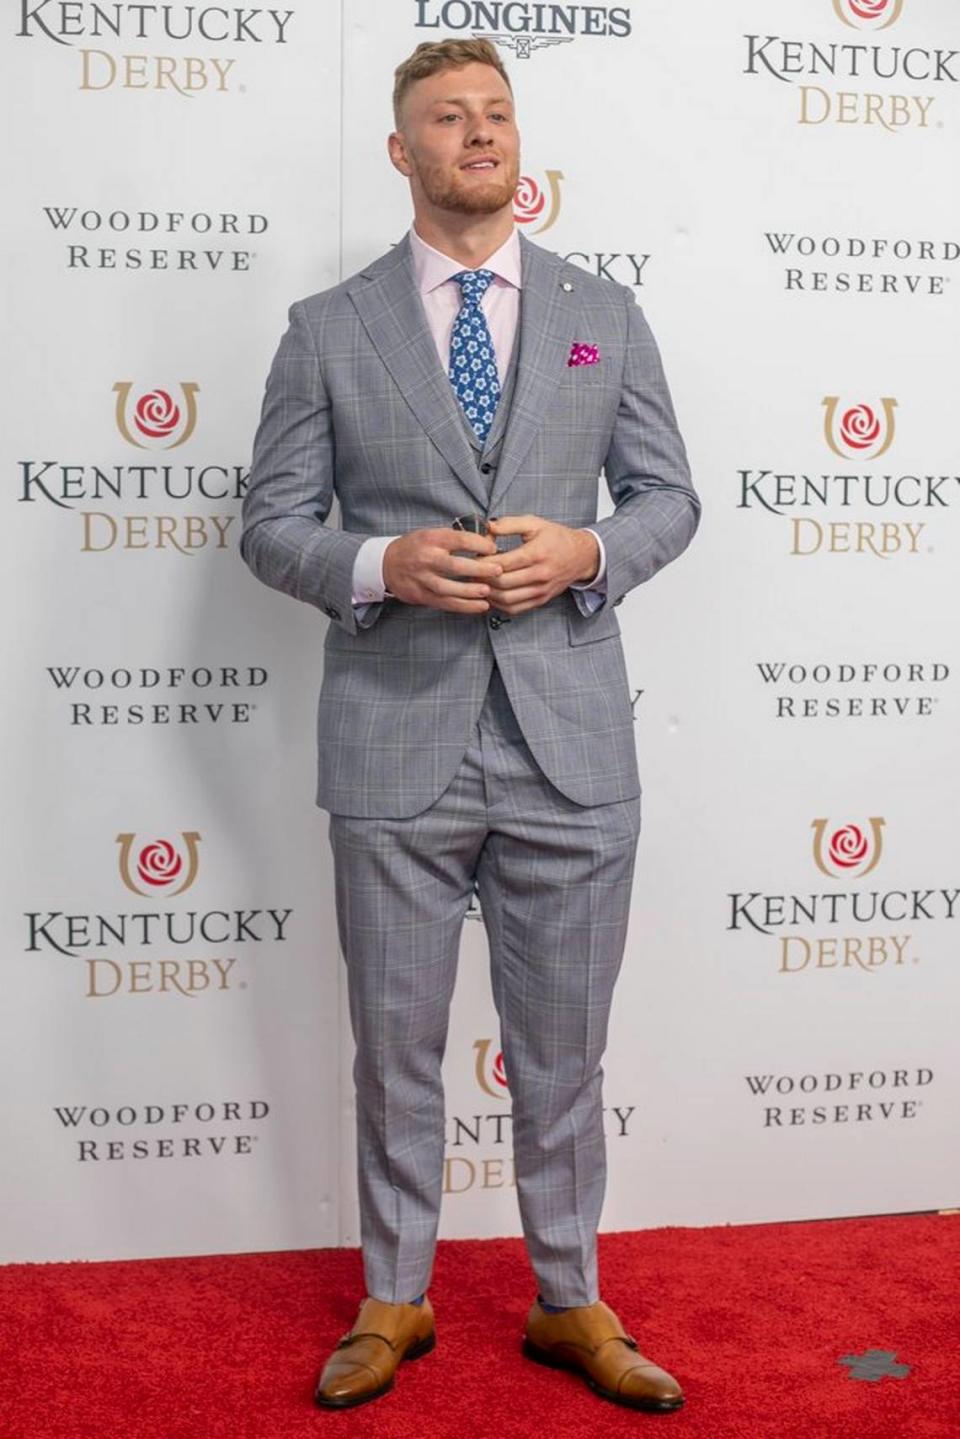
(432,268)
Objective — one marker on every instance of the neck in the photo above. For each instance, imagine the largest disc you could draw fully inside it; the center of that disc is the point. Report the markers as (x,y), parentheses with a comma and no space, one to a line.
(468,239)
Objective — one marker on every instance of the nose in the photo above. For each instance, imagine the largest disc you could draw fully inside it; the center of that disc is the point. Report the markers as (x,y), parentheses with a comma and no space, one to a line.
(479,133)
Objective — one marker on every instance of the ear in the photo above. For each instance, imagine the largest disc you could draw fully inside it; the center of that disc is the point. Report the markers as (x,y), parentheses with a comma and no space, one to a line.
(397,150)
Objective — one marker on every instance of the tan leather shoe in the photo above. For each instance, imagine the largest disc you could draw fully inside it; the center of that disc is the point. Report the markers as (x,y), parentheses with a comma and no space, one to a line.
(364,1362)
(591,1340)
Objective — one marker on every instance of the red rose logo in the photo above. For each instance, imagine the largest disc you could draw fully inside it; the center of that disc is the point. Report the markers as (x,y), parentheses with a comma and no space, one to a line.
(848,847)
(489,1068)
(866,430)
(859,428)
(860,13)
(159,864)
(156,415)
(528,202)
(852,849)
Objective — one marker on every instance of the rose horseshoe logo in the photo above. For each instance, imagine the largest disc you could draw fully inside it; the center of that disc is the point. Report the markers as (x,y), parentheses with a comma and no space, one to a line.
(155,417)
(868,14)
(847,850)
(530,201)
(491,1075)
(158,867)
(859,431)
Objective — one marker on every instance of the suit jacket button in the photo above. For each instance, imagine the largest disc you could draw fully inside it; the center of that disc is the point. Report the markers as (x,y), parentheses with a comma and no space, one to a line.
(494,622)
(619,601)
(486,468)
(333,612)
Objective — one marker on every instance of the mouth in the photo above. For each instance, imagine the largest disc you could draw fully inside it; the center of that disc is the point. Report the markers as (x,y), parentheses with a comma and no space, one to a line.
(481,167)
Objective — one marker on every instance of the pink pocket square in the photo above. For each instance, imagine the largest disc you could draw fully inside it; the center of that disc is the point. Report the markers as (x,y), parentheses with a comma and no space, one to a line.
(583,354)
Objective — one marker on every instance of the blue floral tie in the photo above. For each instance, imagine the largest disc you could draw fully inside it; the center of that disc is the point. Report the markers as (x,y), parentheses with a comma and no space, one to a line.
(473,364)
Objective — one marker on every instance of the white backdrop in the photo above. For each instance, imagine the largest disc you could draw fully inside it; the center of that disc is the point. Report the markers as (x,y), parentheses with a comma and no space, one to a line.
(775,179)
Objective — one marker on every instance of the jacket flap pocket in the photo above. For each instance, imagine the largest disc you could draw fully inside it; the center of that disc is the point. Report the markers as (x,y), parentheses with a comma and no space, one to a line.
(583,629)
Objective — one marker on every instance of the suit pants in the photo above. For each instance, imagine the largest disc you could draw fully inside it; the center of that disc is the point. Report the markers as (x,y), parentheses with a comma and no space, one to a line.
(554,880)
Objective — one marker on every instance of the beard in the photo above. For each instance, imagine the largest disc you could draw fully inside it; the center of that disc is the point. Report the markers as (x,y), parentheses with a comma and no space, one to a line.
(468,197)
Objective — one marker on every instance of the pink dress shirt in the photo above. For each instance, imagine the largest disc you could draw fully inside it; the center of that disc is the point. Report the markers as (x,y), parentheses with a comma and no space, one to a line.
(441,299)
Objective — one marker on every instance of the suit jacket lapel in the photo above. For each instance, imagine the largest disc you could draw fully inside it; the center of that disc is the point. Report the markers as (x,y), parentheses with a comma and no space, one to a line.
(387,300)
(548,327)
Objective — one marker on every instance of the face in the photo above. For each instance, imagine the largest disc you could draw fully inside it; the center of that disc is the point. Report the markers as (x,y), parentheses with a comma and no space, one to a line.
(458,141)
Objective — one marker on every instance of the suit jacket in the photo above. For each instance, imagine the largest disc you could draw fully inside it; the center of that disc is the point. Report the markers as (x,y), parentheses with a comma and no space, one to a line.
(358,407)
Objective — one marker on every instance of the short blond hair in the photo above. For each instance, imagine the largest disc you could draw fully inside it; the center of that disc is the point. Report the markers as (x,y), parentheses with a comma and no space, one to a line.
(433,56)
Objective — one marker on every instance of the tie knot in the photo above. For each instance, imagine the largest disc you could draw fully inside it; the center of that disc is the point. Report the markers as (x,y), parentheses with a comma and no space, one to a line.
(474,284)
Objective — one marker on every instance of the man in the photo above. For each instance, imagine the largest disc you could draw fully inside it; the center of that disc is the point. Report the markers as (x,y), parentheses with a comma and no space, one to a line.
(475,727)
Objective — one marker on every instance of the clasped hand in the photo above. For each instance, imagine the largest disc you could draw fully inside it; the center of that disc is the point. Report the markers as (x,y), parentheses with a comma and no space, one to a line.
(421,567)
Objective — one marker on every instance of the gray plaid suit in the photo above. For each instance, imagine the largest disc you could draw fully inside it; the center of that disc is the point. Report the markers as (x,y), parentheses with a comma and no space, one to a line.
(460,751)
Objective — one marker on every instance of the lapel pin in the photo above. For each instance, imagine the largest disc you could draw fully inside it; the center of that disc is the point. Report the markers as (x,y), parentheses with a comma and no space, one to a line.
(566,286)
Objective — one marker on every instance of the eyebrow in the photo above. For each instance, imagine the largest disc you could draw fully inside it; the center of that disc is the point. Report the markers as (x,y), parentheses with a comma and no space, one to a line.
(458,100)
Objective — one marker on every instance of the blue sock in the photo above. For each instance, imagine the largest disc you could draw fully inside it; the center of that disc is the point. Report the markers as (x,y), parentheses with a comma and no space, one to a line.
(551,1308)
(417,1301)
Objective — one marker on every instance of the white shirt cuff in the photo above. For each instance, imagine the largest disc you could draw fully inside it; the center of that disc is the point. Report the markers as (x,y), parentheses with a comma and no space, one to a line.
(368,586)
(598,583)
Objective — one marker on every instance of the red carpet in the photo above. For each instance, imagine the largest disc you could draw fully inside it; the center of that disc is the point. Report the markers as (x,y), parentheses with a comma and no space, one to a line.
(751,1320)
